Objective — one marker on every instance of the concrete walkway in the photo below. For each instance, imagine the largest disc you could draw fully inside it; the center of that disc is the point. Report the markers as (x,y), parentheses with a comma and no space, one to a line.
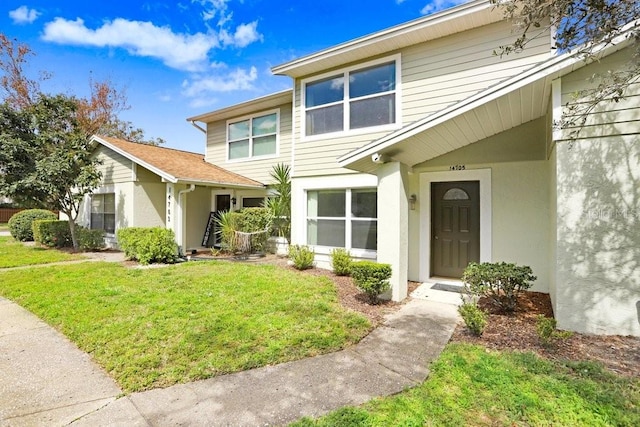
(46,380)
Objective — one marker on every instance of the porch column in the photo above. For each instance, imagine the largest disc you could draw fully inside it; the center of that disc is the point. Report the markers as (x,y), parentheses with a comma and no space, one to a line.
(393,224)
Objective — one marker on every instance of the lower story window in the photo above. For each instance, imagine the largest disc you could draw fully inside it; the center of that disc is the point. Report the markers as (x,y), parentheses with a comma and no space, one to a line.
(343,218)
(252,202)
(103,212)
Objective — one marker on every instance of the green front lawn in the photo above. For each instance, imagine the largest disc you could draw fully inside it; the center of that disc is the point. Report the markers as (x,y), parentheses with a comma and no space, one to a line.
(15,254)
(4,226)
(472,386)
(157,327)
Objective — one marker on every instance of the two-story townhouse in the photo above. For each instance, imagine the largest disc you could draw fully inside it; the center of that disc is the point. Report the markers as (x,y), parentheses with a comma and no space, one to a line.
(418,147)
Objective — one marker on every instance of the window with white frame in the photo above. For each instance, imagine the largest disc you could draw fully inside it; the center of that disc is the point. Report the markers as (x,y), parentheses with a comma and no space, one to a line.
(252,202)
(254,136)
(103,212)
(345,218)
(351,100)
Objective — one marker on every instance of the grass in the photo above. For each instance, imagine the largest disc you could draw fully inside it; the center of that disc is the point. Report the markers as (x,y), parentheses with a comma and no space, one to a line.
(470,385)
(158,327)
(15,254)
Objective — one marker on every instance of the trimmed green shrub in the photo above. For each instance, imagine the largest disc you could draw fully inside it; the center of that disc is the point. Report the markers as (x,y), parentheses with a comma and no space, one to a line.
(500,282)
(474,317)
(148,244)
(52,233)
(301,256)
(547,332)
(21,224)
(341,261)
(90,240)
(371,278)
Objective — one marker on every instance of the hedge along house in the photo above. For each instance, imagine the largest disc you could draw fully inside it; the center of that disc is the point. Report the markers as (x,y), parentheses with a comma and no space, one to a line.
(150,186)
(418,147)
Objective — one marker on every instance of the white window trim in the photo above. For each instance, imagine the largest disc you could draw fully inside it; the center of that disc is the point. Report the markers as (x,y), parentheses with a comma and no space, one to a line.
(250,117)
(344,72)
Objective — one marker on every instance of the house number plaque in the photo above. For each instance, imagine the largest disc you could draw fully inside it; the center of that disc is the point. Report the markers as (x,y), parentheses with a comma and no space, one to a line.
(457,167)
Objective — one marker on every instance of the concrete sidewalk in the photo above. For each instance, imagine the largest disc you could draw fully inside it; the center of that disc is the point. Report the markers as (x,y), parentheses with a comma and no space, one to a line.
(52,383)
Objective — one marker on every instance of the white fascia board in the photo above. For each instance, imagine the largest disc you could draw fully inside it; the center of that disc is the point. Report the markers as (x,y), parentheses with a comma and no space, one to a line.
(439,18)
(219,184)
(165,176)
(267,101)
(559,65)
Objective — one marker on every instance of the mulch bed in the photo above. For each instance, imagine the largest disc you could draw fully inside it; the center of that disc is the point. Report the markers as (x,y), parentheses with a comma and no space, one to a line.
(517,331)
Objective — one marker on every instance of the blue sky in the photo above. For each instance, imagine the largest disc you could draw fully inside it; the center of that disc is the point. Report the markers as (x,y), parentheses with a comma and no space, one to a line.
(180,59)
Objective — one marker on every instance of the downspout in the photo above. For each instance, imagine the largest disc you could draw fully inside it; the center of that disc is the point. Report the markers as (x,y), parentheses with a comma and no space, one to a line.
(182,238)
(200,128)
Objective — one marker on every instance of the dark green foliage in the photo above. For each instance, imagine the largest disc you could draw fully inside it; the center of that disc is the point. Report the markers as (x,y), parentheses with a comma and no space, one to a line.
(46,157)
(21,224)
(301,256)
(148,244)
(52,233)
(90,240)
(371,278)
(500,282)
(474,317)
(341,261)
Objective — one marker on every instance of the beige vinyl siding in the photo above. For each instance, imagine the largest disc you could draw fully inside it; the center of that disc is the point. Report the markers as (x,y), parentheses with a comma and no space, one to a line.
(257,169)
(609,119)
(434,75)
(115,168)
(145,175)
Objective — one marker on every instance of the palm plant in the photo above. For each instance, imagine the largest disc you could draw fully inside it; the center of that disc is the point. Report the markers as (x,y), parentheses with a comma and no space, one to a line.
(280,203)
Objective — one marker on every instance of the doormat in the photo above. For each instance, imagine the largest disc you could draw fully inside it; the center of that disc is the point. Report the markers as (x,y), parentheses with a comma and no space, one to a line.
(448,288)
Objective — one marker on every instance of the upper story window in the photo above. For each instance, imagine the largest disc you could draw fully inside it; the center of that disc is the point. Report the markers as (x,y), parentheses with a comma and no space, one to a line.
(354,99)
(253,137)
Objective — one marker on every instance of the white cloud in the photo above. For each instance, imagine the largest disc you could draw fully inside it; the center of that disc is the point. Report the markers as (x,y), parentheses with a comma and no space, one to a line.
(181,51)
(238,79)
(24,15)
(438,5)
(244,35)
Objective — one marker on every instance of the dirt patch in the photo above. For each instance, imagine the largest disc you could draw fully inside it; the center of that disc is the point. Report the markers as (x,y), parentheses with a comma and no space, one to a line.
(517,331)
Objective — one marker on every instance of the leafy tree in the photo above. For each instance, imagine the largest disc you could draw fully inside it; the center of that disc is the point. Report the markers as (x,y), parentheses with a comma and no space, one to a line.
(45,156)
(584,26)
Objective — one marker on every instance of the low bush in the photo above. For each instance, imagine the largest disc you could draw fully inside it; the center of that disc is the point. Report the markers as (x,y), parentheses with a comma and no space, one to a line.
(148,244)
(248,220)
(52,233)
(371,278)
(341,261)
(301,256)
(90,240)
(21,224)
(547,332)
(500,282)
(474,317)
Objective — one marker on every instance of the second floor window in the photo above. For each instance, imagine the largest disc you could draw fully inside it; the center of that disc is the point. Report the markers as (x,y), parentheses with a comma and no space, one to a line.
(253,137)
(351,100)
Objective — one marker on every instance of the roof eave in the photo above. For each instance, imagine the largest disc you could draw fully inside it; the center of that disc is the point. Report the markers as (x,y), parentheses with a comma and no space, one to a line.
(561,65)
(267,101)
(257,186)
(441,18)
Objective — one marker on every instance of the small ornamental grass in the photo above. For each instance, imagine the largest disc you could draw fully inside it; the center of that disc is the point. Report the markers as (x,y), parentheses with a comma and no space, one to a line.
(301,256)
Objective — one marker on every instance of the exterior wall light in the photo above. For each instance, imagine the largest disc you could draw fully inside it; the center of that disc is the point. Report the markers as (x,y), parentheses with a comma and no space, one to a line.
(412,202)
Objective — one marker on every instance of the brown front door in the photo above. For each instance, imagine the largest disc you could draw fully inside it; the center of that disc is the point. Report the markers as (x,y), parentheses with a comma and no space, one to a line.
(455,227)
